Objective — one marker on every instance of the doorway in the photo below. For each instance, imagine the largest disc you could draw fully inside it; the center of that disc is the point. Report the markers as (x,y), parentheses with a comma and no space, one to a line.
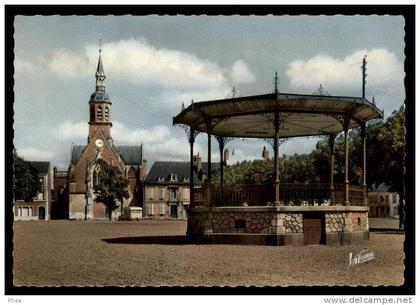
(41,213)
(313,228)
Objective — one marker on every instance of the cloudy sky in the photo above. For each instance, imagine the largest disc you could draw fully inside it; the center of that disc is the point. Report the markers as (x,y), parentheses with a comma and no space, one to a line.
(154,64)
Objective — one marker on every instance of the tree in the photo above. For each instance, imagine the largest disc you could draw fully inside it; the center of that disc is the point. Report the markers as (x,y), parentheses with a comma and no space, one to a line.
(26,184)
(112,186)
(387,140)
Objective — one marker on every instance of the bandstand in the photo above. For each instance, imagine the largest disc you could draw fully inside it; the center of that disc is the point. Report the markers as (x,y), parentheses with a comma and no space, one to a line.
(283,214)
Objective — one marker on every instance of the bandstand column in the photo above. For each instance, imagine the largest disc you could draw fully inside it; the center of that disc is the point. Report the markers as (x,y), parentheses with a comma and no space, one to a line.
(209,203)
(221,141)
(346,162)
(363,134)
(331,143)
(191,140)
(276,159)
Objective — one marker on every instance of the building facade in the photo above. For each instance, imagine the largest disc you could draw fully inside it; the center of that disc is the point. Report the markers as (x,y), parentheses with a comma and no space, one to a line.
(40,207)
(167,188)
(382,202)
(84,169)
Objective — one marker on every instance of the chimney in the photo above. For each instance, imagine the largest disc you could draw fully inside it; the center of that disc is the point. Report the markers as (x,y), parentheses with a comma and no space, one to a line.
(265,154)
(226,156)
(197,162)
(143,170)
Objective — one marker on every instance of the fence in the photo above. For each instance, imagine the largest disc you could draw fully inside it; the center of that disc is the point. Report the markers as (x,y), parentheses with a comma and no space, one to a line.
(290,194)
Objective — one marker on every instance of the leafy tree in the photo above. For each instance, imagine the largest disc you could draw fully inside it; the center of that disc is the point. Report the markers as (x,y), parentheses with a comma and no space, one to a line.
(112,186)
(386,153)
(26,184)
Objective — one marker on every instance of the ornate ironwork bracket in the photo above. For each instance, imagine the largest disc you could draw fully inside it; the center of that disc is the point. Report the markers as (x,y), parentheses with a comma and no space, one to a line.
(271,141)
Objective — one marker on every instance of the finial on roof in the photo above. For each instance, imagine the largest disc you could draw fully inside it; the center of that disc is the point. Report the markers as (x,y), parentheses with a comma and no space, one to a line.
(183,106)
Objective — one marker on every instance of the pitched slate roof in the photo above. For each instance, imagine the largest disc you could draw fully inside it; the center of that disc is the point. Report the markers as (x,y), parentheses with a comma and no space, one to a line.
(130,154)
(166,168)
(215,166)
(181,169)
(41,166)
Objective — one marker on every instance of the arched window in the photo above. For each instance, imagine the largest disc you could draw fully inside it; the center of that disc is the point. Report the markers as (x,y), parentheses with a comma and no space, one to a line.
(99,113)
(96,178)
(106,113)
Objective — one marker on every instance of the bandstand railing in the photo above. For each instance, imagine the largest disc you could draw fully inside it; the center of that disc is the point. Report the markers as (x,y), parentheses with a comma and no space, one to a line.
(291,194)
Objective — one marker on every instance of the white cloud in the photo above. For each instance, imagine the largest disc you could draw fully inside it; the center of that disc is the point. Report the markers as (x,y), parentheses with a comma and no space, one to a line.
(338,75)
(65,64)
(36,154)
(72,130)
(139,62)
(23,66)
(240,72)
(125,135)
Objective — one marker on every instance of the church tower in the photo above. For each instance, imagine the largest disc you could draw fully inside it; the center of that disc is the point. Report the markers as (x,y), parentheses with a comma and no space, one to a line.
(100,107)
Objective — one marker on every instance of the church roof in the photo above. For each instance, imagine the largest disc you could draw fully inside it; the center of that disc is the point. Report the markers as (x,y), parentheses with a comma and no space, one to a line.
(40,166)
(99,96)
(130,154)
(100,68)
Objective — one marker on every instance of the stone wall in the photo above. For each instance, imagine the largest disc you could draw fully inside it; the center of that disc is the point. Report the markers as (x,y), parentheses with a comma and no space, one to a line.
(241,222)
(292,222)
(359,222)
(335,222)
(278,225)
(346,222)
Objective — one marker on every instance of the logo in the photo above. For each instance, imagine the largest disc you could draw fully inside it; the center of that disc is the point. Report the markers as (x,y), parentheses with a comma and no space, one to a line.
(361,257)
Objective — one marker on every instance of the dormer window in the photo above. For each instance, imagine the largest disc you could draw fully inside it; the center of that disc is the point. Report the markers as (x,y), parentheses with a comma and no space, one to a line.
(161,179)
(186,179)
(174,177)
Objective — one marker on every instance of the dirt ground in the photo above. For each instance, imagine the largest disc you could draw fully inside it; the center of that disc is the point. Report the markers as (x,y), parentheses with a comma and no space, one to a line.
(155,253)
(384,223)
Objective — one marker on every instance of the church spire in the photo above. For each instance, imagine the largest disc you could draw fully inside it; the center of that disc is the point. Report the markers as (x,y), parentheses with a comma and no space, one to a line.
(100,74)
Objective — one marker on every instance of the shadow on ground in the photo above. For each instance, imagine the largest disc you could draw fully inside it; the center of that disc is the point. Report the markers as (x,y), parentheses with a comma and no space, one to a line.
(162,240)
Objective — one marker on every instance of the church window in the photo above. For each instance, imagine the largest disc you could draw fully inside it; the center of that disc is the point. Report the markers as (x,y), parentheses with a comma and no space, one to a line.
(99,113)
(106,113)
(96,179)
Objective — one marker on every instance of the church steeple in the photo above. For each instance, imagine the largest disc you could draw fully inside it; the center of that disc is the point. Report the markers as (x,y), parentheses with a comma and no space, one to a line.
(99,105)
(100,74)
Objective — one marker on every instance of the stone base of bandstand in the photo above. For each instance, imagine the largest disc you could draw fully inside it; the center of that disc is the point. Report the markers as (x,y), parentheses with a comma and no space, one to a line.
(282,225)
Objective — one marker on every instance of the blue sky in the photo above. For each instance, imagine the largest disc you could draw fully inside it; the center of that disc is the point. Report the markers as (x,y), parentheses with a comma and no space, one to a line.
(155,63)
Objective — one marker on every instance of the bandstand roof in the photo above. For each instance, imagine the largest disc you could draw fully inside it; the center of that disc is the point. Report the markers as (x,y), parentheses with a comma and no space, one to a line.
(299,115)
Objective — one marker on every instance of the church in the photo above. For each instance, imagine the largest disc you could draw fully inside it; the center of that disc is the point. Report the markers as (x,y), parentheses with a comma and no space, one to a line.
(83,170)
